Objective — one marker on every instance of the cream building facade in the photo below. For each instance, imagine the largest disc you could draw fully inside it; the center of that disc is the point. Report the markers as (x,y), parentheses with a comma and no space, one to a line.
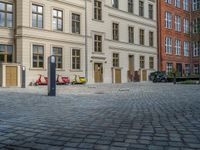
(121,38)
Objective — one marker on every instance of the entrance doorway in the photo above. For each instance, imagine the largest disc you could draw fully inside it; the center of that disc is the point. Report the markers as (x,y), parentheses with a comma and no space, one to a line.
(131,68)
(179,69)
(11,76)
(98,72)
(118,76)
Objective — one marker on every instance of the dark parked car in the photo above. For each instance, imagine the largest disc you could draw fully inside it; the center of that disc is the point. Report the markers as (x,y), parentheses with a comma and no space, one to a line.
(158,76)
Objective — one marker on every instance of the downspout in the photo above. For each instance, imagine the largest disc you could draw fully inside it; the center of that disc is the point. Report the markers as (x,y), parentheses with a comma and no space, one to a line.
(86,42)
(158,36)
(191,41)
(15,31)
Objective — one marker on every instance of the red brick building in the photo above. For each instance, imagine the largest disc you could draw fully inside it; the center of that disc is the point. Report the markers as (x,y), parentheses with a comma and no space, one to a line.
(174,36)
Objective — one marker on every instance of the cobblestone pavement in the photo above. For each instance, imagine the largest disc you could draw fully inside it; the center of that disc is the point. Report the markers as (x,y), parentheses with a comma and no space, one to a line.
(138,116)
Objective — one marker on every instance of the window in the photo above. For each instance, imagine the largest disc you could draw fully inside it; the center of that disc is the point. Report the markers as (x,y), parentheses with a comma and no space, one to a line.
(177,23)
(57,52)
(6,15)
(6,53)
(97,10)
(186,25)
(196,68)
(186,48)
(131,34)
(130,6)
(115,60)
(196,47)
(168,1)
(38,56)
(57,20)
(187,69)
(178,47)
(150,11)
(169,68)
(75,23)
(115,31)
(151,39)
(177,3)
(97,43)
(37,16)
(185,5)
(196,5)
(168,20)
(115,3)
(168,45)
(196,24)
(76,59)
(141,8)
(141,37)
(151,62)
(142,62)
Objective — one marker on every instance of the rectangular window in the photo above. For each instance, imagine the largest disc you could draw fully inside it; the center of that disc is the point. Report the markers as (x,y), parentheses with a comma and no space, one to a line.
(196,25)
(6,53)
(150,11)
(131,34)
(57,52)
(168,20)
(178,47)
(141,8)
(115,60)
(141,37)
(76,59)
(6,15)
(37,16)
(38,56)
(195,5)
(130,6)
(185,5)
(76,23)
(97,43)
(115,31)
(168,1)
(142,62)
(97,10)
(115,4)
(186,48)
(151,62)
(57,20)
(177,3)
(196,69)
(151,37)
(187,69)
(177,23)
(196,48)
(169,68)
(186,25)
(168,45)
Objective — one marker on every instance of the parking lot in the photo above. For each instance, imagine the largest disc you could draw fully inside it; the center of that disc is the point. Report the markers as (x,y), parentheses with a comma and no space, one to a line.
(130,116)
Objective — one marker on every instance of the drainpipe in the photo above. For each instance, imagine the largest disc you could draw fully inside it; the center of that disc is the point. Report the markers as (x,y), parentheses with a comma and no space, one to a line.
(86,43)
(15,30)
(191,42)
(158,36)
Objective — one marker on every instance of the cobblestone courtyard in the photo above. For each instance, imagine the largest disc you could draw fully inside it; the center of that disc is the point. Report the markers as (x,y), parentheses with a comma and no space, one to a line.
(101,117)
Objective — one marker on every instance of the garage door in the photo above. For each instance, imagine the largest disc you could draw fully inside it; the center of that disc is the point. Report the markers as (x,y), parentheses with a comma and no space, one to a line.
(11,76)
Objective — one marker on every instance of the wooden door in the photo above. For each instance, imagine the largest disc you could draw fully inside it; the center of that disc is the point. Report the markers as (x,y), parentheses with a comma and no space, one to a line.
(118,76)
(11,76)
(144,75)
(98,72)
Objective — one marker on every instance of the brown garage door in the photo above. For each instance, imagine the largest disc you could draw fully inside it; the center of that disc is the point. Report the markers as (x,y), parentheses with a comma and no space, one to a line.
(118,76)
(11,76)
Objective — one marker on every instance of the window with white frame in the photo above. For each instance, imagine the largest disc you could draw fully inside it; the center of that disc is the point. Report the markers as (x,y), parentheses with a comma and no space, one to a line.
(131,34)
(115,31)
(130,6)
(115,4)
(178,47)
(37,16)
(150,11)
(57,20)
(177,3)
(168,1)
(185,5)
(168,45)
(195,5)
(76,21)
(98,43)
(169,67)
(177,23)
(196,25)
(57,52)
(6,15)
(186,48)
(97,10)
(196,69)
(141,8)
(168,20)
(196,47)
(38,56)
(186,25)
(76,59)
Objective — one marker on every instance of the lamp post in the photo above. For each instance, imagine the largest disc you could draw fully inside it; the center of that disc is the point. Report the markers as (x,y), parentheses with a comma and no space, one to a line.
(86,42)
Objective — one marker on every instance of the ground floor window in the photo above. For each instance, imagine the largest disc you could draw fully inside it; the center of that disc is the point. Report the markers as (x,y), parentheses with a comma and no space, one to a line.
(76,59)
(142,62)
(57,52)
(6,53)
(196,68)
(187,69)
(38,56)
(169,68)
(115,60)
(151,62)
